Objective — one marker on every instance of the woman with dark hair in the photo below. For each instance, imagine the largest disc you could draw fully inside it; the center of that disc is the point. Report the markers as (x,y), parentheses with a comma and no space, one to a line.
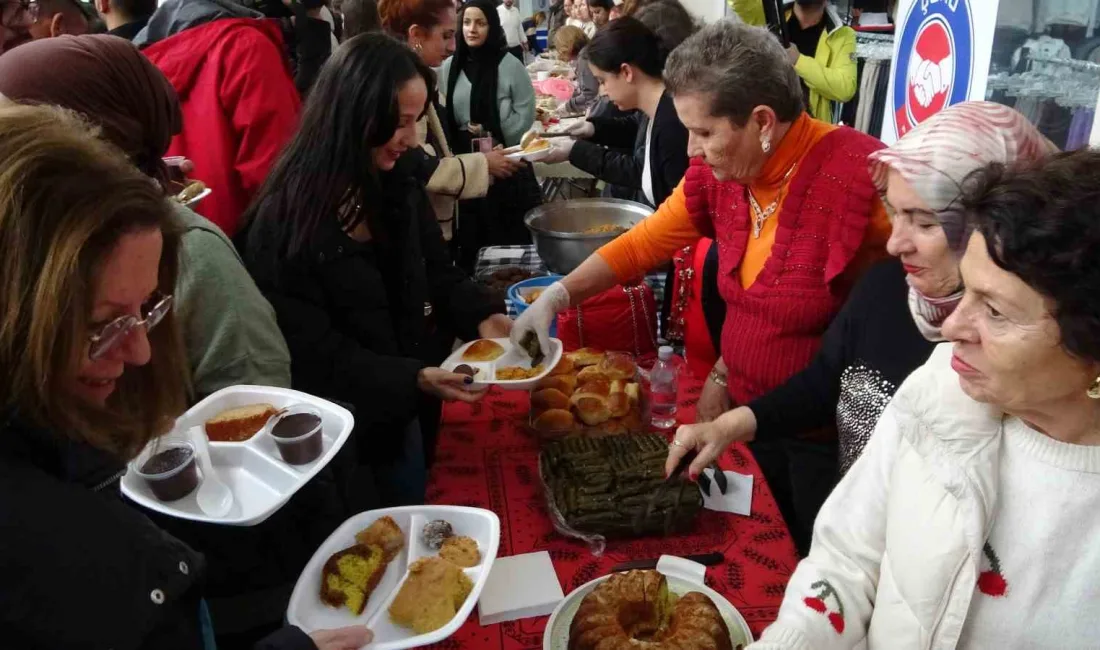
(669,20)
(488,94)
(627,60)
(94,370)
(428,27)
(970,520)
(346,247)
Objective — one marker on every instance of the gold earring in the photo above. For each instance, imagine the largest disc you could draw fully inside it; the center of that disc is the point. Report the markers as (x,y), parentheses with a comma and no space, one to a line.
(418,46)
(766,144)
(1094,390)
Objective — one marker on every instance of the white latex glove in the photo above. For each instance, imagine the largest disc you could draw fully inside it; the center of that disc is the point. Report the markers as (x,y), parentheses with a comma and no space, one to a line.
(538,317)
(559,150)
(583,129)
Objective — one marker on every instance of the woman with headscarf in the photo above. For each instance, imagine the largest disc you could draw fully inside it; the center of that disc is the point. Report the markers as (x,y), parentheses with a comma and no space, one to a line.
(489,94)
(892,319)
(229,328)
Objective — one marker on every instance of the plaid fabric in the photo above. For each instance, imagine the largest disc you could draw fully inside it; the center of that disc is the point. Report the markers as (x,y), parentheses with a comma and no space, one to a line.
(494,258)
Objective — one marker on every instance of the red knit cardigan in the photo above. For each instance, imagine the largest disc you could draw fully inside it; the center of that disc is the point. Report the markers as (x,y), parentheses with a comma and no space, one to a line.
(774,327)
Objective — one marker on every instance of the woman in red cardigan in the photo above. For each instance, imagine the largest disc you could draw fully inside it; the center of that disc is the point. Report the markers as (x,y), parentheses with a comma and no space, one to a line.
(796,219)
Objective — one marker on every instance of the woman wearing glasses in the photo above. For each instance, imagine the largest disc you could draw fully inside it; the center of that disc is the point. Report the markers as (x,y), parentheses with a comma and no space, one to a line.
(229,329)
(93,369)
(16,18)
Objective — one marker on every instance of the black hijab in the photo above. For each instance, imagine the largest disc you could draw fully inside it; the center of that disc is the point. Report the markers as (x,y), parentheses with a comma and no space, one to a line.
(481,66)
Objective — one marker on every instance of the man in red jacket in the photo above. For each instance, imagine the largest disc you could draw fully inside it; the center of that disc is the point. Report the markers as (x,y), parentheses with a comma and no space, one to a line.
(240,106)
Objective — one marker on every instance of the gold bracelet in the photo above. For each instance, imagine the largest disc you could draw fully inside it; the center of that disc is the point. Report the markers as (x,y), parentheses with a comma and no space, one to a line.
(718,378)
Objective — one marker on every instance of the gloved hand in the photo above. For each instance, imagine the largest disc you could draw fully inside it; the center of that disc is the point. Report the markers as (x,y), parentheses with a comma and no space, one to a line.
(539,315)
(584,129)
(559,150)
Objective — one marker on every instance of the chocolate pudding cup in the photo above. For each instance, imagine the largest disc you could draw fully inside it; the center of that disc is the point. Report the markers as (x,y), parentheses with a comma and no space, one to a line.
(297,432)
(170,470)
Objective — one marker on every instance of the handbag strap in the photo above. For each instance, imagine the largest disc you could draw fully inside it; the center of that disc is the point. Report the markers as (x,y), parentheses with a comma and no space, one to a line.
(629,291)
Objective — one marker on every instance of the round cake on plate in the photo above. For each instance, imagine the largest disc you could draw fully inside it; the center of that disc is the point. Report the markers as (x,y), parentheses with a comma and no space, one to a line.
(635,610)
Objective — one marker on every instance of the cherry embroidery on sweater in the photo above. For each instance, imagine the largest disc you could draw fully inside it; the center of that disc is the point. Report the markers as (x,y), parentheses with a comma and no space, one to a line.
(992,582)
(824,594)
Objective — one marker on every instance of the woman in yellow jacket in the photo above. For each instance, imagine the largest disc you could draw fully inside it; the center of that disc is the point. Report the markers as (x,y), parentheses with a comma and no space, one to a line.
(826,64)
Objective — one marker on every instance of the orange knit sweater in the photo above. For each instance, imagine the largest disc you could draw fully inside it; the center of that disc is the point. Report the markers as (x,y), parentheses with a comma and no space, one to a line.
(654,240)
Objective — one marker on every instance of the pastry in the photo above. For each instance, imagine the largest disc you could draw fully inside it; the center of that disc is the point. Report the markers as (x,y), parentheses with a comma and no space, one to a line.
(592,410)
(586,357)
(618,366)
(239,424)
(554,420)
(483,350)
(435,533)
(636,609)
(591,373)
(431,595)
(564,367)
(564,383)
(460,551)
(385,534)
(618,404)
(549,398)
(598,388)
(350,576)
(191,192)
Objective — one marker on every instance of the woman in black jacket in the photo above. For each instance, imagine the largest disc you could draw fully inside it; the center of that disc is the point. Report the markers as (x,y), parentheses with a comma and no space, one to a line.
(348,251)
(93,370)
(627,59)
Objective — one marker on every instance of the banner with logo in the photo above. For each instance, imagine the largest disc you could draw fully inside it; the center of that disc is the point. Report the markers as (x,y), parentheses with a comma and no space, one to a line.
(942,50)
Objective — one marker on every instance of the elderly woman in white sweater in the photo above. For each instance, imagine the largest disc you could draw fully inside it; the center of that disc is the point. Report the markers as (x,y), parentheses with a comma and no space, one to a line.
(971,518)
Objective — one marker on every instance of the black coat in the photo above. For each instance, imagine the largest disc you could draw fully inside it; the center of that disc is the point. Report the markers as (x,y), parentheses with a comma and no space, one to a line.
(668,159)
(356,315)
(81,568)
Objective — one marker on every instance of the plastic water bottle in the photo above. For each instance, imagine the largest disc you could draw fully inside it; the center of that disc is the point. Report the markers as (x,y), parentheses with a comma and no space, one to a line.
(662,389)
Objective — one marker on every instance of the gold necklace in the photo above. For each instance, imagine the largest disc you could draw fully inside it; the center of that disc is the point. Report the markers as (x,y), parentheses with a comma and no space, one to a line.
(759,216)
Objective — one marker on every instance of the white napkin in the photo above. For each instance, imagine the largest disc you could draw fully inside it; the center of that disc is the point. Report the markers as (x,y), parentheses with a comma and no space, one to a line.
(738,496)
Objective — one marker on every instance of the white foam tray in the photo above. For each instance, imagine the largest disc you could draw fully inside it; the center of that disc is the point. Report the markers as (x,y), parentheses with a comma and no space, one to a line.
(534,156)
(512,356)
(254,471)
(681,579)
(308,612)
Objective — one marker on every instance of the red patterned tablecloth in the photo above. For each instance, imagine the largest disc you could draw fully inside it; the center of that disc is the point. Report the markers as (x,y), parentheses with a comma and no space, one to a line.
(487,460)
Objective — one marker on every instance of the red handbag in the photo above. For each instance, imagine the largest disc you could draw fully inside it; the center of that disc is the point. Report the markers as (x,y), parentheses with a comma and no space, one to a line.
(621,319)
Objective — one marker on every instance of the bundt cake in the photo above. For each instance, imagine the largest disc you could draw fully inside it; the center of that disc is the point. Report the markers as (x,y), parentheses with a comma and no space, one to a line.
(636,611)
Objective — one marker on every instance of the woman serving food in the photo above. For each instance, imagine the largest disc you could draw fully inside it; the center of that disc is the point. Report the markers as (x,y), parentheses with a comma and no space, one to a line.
(794,212)
(893,318)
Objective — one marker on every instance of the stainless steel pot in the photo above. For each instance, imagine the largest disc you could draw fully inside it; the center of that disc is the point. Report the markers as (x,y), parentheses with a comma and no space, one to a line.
(558,228)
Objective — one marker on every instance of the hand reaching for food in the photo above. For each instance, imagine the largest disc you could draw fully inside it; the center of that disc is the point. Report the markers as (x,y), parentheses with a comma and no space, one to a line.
(343,638)
(581,129)
(538,317)
(560,149)
(710,439)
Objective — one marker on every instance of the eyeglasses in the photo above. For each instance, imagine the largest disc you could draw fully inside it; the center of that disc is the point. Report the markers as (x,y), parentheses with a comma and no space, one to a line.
(108,336)
(16,13)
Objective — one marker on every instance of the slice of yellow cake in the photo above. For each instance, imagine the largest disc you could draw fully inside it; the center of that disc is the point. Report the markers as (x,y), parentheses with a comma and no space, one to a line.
(350,575)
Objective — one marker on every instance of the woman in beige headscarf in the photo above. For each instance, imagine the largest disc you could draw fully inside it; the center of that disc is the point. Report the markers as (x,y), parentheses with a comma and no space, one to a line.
(428,26)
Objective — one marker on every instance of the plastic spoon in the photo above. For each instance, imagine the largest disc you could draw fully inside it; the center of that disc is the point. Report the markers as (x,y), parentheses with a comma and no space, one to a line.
(214,497)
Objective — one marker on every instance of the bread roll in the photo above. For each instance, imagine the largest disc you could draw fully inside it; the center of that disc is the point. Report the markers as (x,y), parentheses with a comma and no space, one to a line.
(564,367)
(618,366)
(554,420)
(586,357)
(549,398)
(564,383)
(618,404)
(483,350)
(592,410)
(591,373)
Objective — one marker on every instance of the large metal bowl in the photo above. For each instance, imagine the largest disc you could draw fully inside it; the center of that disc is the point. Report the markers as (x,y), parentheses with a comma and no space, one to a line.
(558,228)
